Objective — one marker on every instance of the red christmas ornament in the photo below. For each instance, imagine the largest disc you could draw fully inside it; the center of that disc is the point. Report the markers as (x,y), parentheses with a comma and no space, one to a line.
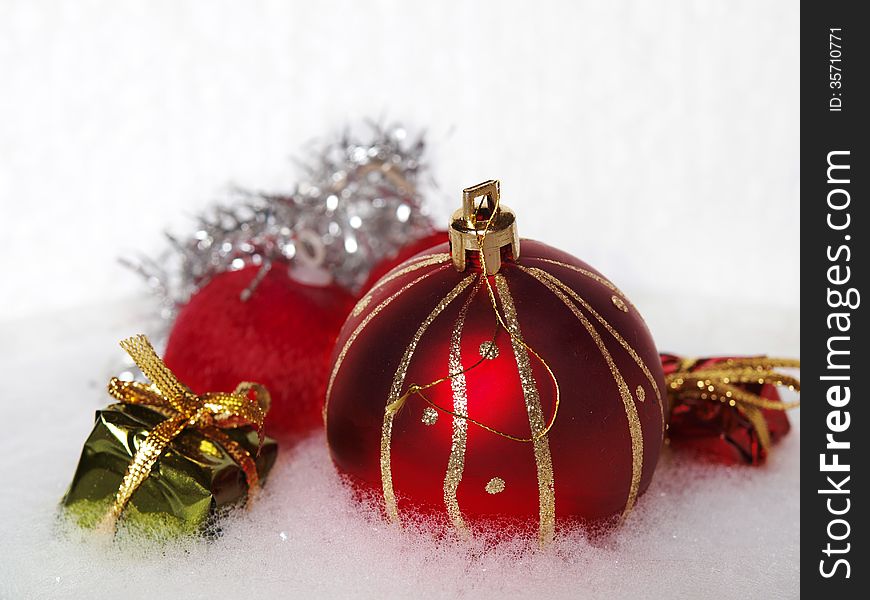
(435,404)
(281,337)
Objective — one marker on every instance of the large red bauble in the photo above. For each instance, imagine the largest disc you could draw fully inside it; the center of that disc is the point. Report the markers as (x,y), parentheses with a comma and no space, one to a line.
(425,320)
(280,337)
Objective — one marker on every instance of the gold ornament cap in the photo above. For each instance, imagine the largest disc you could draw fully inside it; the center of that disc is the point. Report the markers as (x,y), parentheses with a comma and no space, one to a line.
(490,227)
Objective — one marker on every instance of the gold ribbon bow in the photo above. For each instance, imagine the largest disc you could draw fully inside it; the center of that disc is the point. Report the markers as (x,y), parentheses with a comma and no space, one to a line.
(209,413)
(721,381)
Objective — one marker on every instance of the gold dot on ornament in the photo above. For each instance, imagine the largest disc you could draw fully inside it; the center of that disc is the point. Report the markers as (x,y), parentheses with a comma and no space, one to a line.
(641,393)
(495,485)
(619,303)
(488,350)
(430,416)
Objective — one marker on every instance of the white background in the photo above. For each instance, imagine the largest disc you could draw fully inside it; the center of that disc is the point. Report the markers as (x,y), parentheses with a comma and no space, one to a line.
(656,140)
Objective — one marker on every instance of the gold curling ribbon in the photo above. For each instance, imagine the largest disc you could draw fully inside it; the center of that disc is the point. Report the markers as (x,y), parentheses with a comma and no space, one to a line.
(720,381)
(209,413)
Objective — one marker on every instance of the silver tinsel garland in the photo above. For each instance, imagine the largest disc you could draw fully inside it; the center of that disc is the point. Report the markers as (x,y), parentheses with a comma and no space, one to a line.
(359,202)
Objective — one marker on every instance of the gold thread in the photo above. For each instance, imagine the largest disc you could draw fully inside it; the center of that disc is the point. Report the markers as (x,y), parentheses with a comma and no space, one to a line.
(417,390)
(634,427)
(495,486)
(541,444)
(406,267)
(456,462)
(622,342)
(640,393)
(358,330)
(396,390)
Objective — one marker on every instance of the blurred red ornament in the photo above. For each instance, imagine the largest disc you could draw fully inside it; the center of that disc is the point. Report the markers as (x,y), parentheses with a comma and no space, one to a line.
(406,252)
(728,408)
(434,405)
(281,337)
(359,209)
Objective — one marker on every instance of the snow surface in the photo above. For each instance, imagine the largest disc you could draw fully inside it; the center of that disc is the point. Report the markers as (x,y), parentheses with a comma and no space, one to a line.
(720,532)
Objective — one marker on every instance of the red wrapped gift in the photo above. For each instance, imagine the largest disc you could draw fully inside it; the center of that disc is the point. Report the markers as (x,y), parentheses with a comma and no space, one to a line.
(728,408)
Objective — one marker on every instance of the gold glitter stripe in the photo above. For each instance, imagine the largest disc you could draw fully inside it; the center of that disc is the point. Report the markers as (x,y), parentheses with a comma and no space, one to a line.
(456,463)
(406,267)
(358,330)
(605,282)
(541,445)
(628,348)
(634,427)
(396,391)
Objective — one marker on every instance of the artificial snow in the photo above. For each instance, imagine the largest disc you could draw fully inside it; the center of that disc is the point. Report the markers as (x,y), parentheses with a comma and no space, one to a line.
(701,529)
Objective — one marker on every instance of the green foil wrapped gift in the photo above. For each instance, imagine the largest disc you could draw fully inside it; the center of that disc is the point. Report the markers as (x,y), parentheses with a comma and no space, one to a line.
(167,459)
